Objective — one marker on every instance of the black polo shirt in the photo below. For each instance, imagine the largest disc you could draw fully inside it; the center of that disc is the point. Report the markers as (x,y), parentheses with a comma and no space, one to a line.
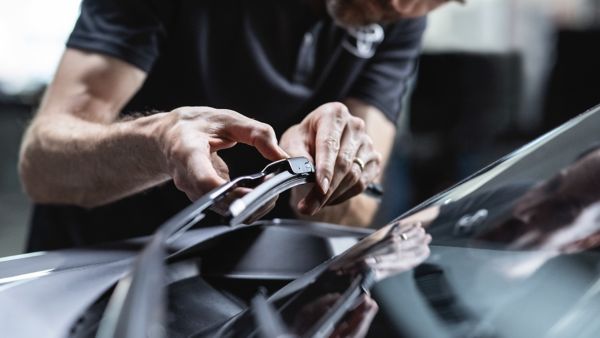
(272,60)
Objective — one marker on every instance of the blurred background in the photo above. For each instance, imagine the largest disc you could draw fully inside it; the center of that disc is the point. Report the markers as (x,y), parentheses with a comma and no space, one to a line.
(494,74)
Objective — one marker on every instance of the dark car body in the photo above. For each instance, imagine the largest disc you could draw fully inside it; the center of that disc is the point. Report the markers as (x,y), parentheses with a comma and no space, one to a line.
(514,254)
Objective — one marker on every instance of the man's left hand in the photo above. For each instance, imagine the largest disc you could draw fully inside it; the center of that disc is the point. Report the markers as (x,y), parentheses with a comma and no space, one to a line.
(344,156)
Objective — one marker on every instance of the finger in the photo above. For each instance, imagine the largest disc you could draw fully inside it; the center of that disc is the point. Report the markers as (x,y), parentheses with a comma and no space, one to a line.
(329,129)
(350,186)
(220,166)
(358,179)
(350,143)
(312,202)
(369,175)
(340,180)
(200,176)
(239,128)
(345,175)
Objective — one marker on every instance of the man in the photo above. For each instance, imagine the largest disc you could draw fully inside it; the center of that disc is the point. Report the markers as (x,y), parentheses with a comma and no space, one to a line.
(96,161)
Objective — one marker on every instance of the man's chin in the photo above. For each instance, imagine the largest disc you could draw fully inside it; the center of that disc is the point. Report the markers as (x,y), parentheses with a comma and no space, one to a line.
(350,15)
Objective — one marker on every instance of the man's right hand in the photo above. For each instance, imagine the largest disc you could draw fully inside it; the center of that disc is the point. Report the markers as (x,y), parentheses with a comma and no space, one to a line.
(77,150)
(190,137)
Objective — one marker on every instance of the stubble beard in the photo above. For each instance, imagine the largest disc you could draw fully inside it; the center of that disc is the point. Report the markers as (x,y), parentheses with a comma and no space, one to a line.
(355,13)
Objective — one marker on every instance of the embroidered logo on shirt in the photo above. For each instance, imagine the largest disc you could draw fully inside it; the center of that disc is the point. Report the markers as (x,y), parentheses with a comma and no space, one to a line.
(363,41)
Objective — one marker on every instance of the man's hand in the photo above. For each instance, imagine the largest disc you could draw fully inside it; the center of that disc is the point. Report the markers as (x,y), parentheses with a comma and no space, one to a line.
(191,136)
(344,156)
(77,151)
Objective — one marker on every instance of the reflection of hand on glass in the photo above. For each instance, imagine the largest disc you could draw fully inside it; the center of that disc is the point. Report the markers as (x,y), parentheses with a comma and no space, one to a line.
(407,247)
(355,324)
(402,248)
(550,214)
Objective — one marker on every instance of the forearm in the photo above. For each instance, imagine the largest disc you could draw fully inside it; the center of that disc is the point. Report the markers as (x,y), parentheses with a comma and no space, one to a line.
(67,160)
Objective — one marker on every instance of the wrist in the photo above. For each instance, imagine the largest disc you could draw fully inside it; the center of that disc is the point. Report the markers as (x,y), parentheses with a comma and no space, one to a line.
(149,131)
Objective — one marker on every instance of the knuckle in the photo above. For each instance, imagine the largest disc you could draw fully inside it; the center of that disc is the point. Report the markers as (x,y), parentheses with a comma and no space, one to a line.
(338,111)
(269,131)
(179,182)
(358,124)
(332,143)
(338,108)
(178,152)
(180,111)
(262,132)
(355,176)
(344,163)
(361,184)
(205,183)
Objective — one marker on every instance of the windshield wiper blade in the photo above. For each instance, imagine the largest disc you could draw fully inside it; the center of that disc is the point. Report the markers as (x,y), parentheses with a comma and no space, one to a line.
(195,212)
(126,316)
(292,172)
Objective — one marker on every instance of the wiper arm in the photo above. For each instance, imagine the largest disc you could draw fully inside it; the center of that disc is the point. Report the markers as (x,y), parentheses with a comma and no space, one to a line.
(296,166)
(291,172)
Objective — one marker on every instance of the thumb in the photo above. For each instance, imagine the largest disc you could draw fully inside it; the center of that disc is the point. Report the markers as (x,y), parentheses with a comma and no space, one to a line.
(256,134)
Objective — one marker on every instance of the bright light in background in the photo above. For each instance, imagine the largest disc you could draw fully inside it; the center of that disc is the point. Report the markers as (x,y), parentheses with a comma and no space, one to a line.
(32,39)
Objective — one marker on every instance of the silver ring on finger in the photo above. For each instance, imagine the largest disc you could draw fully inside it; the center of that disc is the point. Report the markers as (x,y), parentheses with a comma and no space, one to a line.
(361,163)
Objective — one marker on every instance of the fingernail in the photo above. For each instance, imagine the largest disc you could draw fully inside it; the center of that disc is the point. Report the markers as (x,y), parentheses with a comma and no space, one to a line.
(325,185)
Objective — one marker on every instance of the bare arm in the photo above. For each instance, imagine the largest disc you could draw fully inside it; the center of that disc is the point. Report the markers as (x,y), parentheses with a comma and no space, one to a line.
(76,151)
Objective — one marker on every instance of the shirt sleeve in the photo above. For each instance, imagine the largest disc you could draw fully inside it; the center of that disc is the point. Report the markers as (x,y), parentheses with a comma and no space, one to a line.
(130,30)
(385,80)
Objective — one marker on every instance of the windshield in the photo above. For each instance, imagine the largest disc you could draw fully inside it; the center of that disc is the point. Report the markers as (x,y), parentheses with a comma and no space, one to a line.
(514,252)
(515,247)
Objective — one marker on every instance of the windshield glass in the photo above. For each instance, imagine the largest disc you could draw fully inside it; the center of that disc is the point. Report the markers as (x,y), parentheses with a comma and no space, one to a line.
(514,252)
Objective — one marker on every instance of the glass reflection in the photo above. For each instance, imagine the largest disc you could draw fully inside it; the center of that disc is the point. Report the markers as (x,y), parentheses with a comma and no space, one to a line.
(338,304)
(556,214)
